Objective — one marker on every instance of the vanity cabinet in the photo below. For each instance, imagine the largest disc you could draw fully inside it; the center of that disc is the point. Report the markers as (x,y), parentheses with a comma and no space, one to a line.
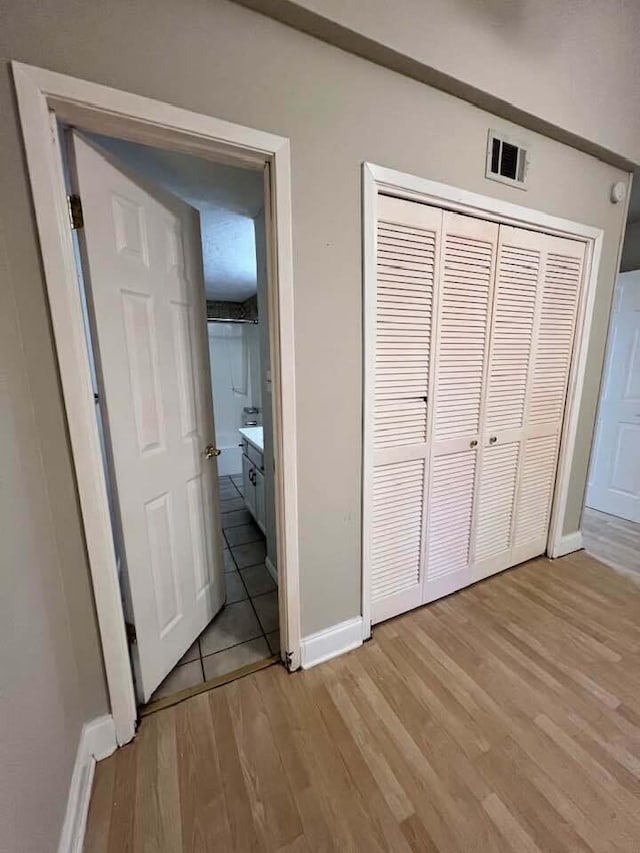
(253,482)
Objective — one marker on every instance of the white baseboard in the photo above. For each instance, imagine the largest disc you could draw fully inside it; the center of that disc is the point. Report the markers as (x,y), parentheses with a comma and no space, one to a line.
(97,740)
(334,641)
(271,569)
(567,544)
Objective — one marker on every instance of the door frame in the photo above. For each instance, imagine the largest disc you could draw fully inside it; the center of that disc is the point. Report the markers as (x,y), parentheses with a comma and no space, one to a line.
(44,96)
(381,180)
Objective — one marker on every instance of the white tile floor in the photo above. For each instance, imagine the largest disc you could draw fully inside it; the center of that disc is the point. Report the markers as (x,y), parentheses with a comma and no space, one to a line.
(246,629)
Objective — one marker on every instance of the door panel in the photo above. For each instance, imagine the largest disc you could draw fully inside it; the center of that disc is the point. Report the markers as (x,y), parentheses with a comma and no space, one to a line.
(537,292)
(407,246)
(449,513)
(465,303)
(142,259)
(614,483)
(465,299)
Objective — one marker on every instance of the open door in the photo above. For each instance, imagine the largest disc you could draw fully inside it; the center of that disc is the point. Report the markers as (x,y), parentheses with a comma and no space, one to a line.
(614,485)
(142,265)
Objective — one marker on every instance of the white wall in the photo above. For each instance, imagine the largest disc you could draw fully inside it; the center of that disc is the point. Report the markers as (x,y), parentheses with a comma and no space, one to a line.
(235,380)
(573,63)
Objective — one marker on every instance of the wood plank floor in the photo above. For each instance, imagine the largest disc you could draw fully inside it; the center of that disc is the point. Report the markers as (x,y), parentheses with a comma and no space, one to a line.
(614,540)
(504,718)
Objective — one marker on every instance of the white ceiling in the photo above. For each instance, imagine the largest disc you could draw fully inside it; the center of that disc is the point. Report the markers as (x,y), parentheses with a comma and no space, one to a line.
(227,197)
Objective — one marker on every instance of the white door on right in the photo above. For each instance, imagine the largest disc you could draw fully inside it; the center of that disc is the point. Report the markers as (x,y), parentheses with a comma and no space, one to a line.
(614,484)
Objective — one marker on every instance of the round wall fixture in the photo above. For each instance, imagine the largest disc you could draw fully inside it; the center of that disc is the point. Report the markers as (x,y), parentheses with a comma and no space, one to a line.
(618,192)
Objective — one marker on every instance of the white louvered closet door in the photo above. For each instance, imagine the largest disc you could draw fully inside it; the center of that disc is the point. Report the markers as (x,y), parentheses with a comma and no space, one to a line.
(407,249)
(554,334)
(465,295)
(474,334)
(537,289)
(513,323)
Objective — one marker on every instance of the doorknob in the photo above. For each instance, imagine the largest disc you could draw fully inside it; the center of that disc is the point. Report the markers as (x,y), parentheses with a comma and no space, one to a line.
(210,451)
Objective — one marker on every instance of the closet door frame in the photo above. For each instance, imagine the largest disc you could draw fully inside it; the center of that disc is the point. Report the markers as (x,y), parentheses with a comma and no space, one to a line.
(379,180)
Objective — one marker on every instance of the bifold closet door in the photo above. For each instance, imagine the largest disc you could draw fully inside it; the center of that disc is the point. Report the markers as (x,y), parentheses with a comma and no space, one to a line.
(465,293)
(536,295)
(400,329)
(474,334)
(559,290)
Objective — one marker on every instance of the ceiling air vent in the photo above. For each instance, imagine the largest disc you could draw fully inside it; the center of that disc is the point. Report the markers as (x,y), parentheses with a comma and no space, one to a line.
(507,160)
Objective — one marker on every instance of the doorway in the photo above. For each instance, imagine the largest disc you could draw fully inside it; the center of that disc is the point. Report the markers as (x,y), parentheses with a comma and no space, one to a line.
(224,207)
(47,100)
(611,516)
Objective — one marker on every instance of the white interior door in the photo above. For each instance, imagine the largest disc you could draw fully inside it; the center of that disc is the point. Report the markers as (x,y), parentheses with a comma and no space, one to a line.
(614,485)
(143,271)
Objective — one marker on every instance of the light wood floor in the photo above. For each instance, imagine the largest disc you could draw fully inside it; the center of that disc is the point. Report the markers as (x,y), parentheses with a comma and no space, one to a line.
(504,718)
(614,540)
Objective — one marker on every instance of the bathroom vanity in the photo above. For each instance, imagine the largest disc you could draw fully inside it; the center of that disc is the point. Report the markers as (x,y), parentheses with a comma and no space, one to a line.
(253,472)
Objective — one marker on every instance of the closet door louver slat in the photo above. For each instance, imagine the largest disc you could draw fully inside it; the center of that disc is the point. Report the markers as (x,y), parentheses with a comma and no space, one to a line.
(407,249)
(554,344)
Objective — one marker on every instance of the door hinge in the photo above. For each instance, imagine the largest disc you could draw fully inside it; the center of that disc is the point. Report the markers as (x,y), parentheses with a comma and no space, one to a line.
(74,206)
(132,637)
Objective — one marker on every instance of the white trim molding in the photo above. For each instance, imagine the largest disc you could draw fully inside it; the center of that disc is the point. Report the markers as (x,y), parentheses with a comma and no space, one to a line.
(378,180)
(336,640)
(44,96)
(97,741)
(567,544)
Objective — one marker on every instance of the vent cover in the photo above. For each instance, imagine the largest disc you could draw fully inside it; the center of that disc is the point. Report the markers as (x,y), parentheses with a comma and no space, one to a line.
(507,160)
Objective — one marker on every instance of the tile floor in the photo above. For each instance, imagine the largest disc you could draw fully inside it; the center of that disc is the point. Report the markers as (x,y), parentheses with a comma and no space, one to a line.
(246,629)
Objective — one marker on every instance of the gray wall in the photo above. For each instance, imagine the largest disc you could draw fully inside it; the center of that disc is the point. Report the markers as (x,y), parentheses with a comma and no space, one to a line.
(218,58)
(51,677)
(572,64)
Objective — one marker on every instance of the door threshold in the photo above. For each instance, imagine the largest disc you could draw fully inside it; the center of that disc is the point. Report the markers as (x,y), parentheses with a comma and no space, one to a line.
(188,692)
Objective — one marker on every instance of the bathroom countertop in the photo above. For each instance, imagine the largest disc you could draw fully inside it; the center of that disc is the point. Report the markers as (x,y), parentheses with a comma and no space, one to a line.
(254,436)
